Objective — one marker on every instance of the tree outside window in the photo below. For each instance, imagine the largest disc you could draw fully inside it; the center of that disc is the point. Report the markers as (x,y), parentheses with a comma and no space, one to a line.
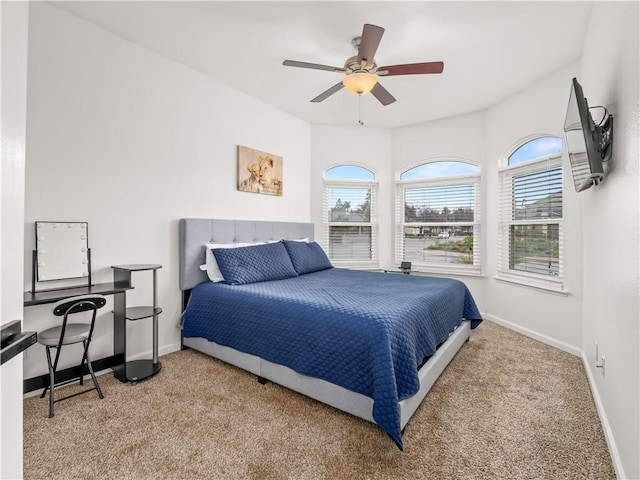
(349,215)
(437,213)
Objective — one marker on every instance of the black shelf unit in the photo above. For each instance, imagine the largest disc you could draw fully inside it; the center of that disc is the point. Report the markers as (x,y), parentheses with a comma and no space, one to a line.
(135,370)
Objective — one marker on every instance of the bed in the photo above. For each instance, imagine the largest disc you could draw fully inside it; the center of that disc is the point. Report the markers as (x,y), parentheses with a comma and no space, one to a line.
(369,343)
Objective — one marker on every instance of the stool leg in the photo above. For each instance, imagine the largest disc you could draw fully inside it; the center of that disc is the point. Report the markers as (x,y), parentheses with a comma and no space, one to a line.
(84,355)
(52,382)
(93,377)
(44,391)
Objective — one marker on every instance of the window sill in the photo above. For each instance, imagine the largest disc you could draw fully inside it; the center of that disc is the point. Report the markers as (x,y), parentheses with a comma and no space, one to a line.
(356,266)
(449,273)
(457,273)
(534,285)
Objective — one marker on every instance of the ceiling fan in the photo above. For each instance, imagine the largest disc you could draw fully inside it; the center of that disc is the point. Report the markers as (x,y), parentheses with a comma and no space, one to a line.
(362,72)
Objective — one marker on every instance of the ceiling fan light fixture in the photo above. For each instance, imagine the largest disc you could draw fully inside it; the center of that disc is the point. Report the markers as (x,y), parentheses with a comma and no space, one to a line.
(360,83)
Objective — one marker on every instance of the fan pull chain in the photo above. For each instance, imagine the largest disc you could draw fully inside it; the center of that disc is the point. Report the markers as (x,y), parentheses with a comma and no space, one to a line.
(360,110)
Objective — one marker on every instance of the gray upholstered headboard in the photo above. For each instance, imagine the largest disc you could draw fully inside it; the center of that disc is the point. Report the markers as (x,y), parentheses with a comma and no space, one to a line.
(195,232)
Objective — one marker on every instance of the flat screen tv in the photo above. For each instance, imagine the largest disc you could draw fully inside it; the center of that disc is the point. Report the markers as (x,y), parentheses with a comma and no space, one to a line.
(588,143)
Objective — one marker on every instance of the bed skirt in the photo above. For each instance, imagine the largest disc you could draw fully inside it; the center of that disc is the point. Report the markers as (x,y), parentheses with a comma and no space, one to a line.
(329,393)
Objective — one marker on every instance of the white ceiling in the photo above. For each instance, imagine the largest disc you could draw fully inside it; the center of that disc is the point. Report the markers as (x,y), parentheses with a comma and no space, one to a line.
(490,49)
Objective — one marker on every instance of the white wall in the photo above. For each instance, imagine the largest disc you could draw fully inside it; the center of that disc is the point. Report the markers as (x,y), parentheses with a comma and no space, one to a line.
(136,141)
(15,21)
(365,146)
(600,225)
(610,233)
(461,137)
(556,319)
(388,152)
(483,137)
(458,138)
(130,142)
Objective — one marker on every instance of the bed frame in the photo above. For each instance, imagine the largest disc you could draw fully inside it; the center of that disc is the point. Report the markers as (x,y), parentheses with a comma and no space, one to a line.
(195,232)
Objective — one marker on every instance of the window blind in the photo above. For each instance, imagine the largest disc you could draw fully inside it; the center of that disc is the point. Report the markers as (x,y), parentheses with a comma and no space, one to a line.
(530,243)
(438,224)
(350,221)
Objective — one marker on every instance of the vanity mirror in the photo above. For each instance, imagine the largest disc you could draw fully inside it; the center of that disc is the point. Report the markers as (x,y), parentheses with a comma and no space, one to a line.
(62,252)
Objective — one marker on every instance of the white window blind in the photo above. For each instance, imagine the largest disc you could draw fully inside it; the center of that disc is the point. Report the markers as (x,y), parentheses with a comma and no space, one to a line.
(438,224)
(350,220)
(530,245)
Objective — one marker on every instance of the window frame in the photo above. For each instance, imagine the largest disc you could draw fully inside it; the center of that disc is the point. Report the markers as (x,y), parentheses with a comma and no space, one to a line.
(328,184)
(474,179)
(506,174)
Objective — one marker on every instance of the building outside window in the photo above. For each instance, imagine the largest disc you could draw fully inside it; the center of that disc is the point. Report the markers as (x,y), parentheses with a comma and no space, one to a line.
(438,217)
(350,216)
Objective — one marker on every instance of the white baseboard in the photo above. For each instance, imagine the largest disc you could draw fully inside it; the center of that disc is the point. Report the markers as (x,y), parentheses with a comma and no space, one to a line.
(606,428)
(604,421)
(565,347)
(174,347)
(164,350)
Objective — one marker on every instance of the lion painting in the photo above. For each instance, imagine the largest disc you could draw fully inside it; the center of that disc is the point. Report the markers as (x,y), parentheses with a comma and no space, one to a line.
(259,172)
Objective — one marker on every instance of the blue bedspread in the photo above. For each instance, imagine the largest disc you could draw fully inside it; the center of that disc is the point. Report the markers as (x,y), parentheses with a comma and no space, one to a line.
(364,331)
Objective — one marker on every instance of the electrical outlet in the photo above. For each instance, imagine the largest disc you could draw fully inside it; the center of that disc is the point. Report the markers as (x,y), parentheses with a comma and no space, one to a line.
(599,359)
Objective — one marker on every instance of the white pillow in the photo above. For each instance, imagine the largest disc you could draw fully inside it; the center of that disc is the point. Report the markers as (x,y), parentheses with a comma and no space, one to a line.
(306,240)
(211,266)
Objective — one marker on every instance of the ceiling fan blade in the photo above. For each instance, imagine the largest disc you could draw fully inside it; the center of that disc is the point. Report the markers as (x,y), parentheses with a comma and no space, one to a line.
(411,69)
(314,66)
(382,94)
(371,36)
(327,93)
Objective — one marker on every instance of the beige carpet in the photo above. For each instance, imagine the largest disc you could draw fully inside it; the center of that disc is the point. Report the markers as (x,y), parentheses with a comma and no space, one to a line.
(507,407)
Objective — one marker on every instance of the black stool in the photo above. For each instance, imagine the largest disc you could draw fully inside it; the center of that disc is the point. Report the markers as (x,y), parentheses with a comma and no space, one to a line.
(67,334)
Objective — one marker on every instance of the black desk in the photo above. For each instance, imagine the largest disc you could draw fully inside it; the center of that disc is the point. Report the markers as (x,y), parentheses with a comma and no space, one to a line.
(53,296)
(118,290)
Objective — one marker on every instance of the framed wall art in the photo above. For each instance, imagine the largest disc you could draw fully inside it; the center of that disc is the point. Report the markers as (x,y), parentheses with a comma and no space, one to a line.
(259,172)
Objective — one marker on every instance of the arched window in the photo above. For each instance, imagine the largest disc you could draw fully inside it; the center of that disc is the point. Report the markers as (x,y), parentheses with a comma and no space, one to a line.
(350,203)
(349,172)
(531,214)
(440,168)
(438,216)
(536,148)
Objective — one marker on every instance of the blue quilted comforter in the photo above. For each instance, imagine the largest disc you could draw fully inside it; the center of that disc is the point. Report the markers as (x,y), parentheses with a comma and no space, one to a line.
(364,331)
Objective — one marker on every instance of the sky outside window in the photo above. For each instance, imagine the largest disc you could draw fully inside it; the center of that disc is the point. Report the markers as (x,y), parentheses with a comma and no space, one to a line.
(537,148)
(349,172)
(356,196)
(439,169)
